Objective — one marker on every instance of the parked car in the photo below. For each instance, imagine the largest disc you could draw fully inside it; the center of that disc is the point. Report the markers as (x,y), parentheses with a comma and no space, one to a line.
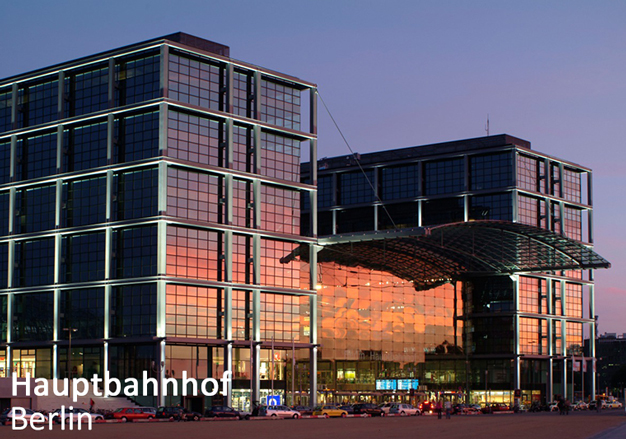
(66,416)
(553,407)
(151,410)
(427,407)
(348,408)
(537,406)
(178,414)
(222,411)
(404,410)
(129,414)
(495,407)
(613,405)
(580,405)
(6,417)
(329,411)
(366,408)
(281,411)
(303,410)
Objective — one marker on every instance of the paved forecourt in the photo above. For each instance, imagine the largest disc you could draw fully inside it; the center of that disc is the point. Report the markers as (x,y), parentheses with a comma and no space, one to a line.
(577,425)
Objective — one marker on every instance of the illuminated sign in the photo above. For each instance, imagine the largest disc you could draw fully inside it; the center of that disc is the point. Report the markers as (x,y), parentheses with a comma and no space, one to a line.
(408,384)
(273,400)
(386,385)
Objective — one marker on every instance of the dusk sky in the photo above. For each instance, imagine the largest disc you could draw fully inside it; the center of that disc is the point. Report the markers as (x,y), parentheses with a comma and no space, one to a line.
(402,73)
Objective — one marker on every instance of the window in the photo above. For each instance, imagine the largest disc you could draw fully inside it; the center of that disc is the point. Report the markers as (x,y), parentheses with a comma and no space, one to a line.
(34,262)
(196,82)
(85,147)
(84,202)
(400,182)
(5,109)
(491,207)
(491,171)
(36,156)
(194,253)
(194,195)
(571,185)
(193,311)
(138,80)
(273,272)
(5,162)
(280,210)
(280,157)
(354,187)
(136,194)
(34,317)
(39,103)
(195,139)
(444,176)
(82,309)
(88,90)
(135,252)
(442,211)
(82,258)
(138,137)
(4,213)
(324,191)
(34,209)
(133,310)
(243,83)
(280,104)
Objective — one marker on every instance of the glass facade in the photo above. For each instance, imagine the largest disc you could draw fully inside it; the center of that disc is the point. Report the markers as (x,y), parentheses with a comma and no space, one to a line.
(373,325)
(160,177)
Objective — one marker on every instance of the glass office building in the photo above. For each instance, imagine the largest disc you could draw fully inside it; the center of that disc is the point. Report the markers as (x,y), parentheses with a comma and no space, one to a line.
(147,195)
(465,265)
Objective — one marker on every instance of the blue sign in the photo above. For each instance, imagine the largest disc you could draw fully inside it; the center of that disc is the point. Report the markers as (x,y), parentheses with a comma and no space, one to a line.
(386,385)
(408,384)
(273,400)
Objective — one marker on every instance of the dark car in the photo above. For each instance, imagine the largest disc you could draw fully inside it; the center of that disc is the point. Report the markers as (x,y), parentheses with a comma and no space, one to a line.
(427,407)
(222,411)
(348,408)
(370,409)
(178,414)
(303,410)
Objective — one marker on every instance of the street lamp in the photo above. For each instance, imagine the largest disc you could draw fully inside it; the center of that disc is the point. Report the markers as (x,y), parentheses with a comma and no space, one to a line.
(69,351)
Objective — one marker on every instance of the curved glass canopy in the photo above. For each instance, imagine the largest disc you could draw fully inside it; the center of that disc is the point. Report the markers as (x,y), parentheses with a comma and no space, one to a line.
(431,256)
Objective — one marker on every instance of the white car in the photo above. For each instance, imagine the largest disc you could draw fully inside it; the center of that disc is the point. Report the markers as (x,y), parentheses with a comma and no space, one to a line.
(281,411)
(402,410)
(613,405)
(73,416)
(8,415)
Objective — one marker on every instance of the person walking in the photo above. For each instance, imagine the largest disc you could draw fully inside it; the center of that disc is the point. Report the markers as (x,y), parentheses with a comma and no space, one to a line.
(438,408)
(448,406)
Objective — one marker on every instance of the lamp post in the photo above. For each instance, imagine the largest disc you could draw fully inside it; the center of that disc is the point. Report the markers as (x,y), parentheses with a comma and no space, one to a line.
(69,355)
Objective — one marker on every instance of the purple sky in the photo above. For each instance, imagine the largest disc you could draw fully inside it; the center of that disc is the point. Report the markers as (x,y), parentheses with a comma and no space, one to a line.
(402,73)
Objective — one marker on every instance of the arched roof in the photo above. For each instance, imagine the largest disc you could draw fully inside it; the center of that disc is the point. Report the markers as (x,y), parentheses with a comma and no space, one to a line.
(431,256)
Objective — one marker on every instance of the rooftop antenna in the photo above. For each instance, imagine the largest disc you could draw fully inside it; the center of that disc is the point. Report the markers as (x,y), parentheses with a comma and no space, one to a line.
(487,126)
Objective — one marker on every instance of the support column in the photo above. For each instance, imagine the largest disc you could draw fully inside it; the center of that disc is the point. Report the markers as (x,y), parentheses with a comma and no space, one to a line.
(592,335)
(255,349)
(10,328)
(228,313)
(161,369)
(313,326)
(550,383)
